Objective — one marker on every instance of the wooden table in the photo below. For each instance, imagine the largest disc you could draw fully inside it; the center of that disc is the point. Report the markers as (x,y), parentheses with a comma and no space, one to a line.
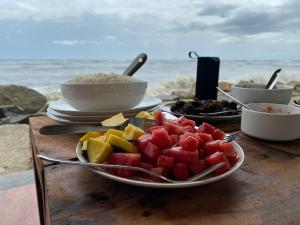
(265,190)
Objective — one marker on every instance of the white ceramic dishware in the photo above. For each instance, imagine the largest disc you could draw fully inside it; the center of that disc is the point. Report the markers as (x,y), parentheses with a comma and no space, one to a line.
(104,96)
(271,122)
(62,106)
(257,93)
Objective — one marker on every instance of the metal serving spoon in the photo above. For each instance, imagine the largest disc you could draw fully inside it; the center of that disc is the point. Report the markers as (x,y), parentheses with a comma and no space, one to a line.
(135,65)
(233,99)
(138,169)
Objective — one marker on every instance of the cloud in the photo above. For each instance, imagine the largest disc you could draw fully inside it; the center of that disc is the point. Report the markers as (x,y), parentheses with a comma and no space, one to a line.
(73,42)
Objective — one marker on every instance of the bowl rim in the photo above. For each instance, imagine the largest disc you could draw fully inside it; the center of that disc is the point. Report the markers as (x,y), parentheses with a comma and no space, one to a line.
(109,83)
(271,114)
(280,87)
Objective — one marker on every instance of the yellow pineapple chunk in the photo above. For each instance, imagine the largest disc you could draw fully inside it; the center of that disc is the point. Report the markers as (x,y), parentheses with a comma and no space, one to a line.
(114,132)
(116,120)
(98,151)
(121,143)
(132,133)
(84,146)
(93,134)
(102,138)
(143,115)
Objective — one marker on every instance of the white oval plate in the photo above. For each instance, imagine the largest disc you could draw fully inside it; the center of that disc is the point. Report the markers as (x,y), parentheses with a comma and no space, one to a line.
(167,108)
(62,106)
(96,119)
(152,184)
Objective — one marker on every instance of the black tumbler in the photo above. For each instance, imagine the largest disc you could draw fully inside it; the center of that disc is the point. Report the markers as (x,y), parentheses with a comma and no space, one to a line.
(207,77)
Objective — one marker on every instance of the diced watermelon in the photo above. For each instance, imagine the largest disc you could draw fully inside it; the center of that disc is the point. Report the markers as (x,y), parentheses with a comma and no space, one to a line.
(161,138)
(205,137)
(229,152)
(211,147)
(197,167)
(216,158)
(160,170)
(189,143)
(180,171)
(186,122)
(206,128)
(126,159)
(172,128)
(174,139)
(165,161)
(218,134)
(146,165)
(157,127)
(159,117)
(188,128)
(180,155)
(142,142)
(151,152)
(201,153)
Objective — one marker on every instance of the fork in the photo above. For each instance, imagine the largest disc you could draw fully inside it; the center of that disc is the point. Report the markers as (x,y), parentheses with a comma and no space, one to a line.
(76,129)
(138,169)
(232,136)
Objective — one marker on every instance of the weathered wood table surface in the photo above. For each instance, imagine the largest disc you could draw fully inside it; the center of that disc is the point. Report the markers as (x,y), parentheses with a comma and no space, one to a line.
(265,190)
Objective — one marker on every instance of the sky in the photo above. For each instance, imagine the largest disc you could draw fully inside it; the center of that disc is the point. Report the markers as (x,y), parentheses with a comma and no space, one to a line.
(164,29)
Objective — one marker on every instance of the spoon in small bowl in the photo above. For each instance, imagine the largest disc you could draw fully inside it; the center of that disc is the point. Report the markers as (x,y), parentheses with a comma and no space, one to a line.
(273,80)
(234,99)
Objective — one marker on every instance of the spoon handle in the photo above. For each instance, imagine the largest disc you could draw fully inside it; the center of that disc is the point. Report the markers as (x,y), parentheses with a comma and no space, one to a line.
(234,99)
(136,64)
(273,80)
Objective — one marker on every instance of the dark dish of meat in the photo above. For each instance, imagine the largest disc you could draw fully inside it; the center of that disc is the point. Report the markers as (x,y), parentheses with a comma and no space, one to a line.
(198,107)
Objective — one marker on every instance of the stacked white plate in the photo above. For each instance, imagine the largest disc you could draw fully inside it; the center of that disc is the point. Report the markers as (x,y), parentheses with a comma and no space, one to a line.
(61,111)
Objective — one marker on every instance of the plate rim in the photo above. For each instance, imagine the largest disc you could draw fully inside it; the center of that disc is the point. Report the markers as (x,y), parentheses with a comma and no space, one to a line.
(91,113)
(166,108)
(161,185)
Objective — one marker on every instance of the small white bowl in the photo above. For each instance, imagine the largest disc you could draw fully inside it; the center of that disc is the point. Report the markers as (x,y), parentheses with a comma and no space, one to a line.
(282,124)
(104,97)
(256,93)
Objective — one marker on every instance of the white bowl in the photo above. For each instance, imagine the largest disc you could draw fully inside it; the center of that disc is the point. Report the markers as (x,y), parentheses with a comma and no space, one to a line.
(256,93)
(104,97)
(283,124)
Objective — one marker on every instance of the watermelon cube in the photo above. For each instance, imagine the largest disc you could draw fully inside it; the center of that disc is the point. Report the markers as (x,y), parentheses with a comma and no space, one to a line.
(126,159)
(161,138)
(218,134)
(197,167)
(180,171)
(151,152)
(216,158)
(142,142)
(165,161)
(206,128)
(189,143)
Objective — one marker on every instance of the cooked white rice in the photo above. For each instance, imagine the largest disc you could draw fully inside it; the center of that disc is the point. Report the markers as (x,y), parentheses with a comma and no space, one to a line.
(100,78)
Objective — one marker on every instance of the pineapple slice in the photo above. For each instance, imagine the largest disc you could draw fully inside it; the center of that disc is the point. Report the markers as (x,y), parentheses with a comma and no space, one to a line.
(98,151)
(116,120)
(114,132)
(121,143)
(93,134)
(132,133)
(102,138)
(84,146)
(144,115)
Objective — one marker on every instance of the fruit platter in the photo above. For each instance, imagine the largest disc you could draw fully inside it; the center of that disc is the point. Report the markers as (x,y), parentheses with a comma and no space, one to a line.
(174,148)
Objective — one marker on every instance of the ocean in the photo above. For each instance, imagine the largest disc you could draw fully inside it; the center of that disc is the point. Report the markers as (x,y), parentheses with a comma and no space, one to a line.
(46,75)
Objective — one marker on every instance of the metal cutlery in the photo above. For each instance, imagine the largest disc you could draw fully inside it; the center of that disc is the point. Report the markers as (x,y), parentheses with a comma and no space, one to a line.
(234,99)
(138,169)
(78,129)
